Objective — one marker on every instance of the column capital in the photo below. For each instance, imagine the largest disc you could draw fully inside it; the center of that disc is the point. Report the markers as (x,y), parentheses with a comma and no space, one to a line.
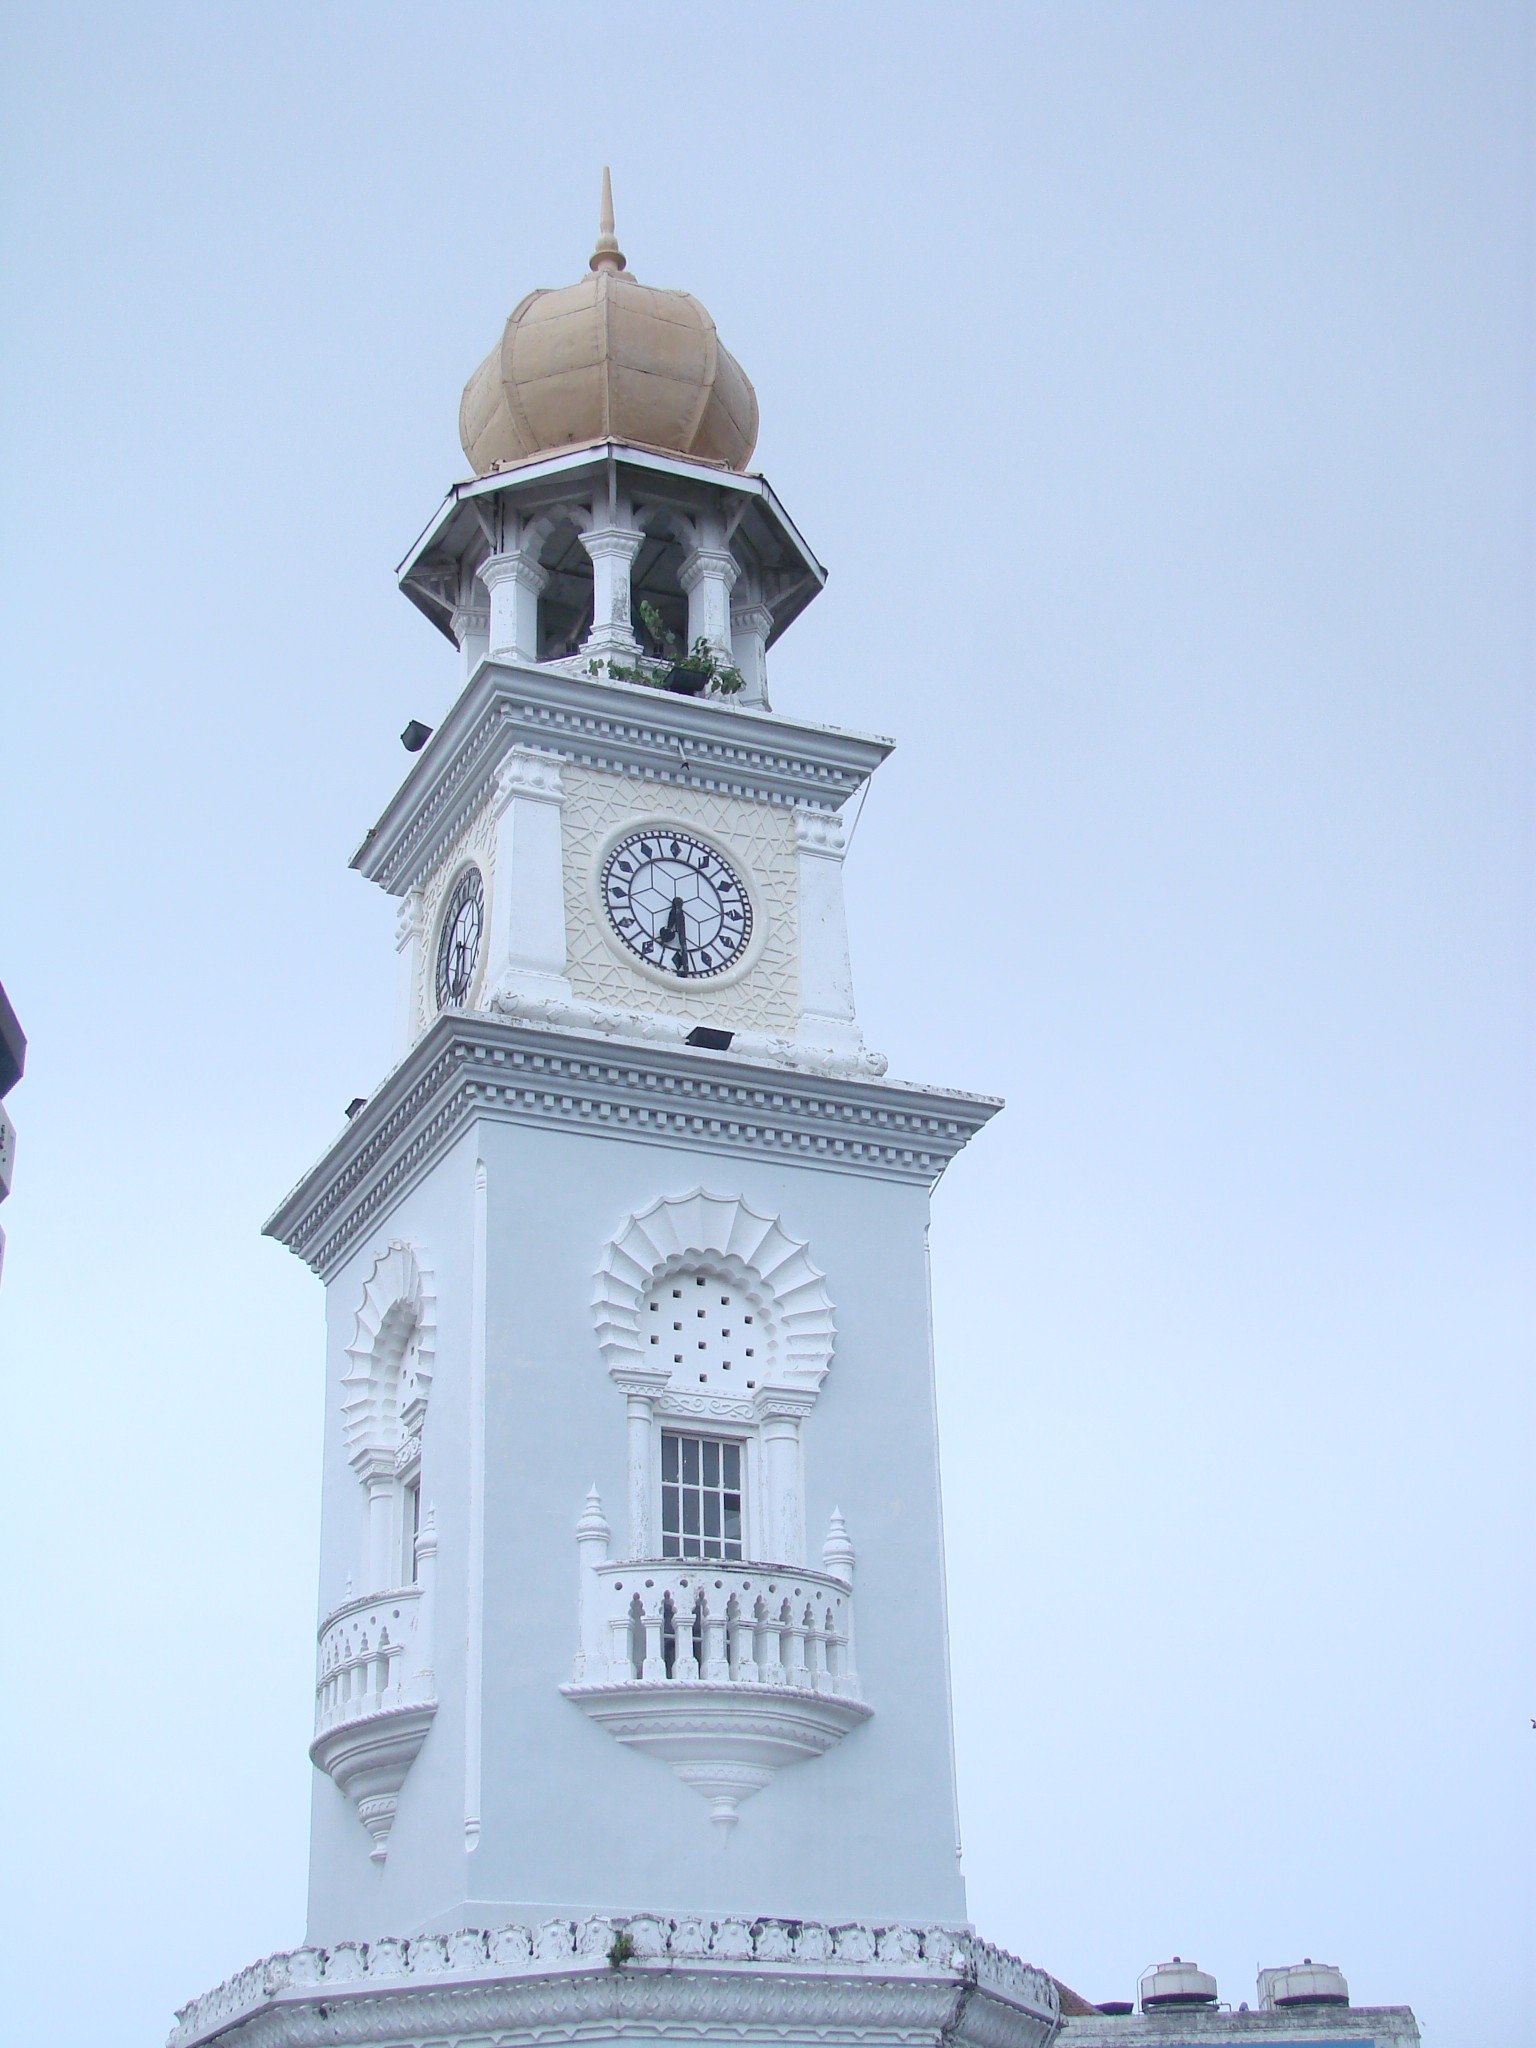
(699,563)
(613,543)
(819,832)
(513,567)
(528,773)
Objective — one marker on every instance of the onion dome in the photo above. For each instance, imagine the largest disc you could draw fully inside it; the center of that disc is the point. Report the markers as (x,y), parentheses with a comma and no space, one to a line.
(608,359)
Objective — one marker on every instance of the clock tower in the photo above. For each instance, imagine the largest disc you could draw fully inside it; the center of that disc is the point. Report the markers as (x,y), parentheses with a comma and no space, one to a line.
(632,1694)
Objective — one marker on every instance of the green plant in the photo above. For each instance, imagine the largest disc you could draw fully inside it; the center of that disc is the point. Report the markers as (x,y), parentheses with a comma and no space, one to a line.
(621,1950)
(721,678)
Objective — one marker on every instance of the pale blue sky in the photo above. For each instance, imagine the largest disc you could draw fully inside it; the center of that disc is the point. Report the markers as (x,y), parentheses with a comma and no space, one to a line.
(1156,382)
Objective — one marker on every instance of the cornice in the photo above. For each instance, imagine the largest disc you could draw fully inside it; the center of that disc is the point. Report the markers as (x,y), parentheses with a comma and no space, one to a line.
(471,1066)
(735,1980)
(623,727)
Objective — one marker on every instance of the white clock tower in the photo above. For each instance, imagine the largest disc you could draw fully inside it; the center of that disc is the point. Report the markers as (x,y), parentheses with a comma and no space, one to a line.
(632,1705)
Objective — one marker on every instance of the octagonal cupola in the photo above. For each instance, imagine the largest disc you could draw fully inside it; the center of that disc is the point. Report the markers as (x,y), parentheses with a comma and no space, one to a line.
(611,527)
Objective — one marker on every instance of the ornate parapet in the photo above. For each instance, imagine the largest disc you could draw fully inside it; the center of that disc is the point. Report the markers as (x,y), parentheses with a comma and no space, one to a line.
(638,1976)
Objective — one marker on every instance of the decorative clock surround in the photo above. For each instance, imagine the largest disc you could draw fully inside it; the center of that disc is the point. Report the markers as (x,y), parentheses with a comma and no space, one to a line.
(759,991)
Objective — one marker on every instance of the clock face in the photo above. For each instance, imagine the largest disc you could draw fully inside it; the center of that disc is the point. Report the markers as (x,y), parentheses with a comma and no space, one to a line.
(458,945)
(677,904)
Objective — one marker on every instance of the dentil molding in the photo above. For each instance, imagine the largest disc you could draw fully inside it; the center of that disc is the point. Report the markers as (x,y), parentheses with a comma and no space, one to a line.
(469,1066)
(632,1977)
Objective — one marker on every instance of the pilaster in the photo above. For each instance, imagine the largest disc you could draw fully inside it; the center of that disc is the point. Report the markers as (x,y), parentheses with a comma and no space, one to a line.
(410,930)
(525,956)
(827,1018)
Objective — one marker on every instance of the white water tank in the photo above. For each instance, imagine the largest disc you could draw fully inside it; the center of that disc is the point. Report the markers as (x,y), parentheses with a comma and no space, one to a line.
(1303,1983)
(1176,1983)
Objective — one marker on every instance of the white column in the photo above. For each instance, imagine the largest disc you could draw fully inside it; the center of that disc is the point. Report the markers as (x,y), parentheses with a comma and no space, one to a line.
(613,550)
(525,942)
(592,1534)
(410,931)
(708,575)
(515,582)
(751,623)
(827,1017)
(472,629)
(426,1578)
(639,1411)
(383,1568)
(779,1417)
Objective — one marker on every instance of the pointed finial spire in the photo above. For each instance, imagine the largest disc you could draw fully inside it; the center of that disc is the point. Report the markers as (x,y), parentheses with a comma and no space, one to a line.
(607,255)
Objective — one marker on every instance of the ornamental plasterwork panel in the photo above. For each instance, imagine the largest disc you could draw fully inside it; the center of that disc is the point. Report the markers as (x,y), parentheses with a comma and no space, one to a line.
(389,1360)
(678,1231)
(760,836)
(477,842)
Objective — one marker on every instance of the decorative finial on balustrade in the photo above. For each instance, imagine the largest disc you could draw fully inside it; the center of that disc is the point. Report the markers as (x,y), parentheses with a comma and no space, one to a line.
(837,1553)
(593,1525)
(607,255)
(426,1535)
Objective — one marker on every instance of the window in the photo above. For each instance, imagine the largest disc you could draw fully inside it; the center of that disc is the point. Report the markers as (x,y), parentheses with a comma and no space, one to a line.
(700,1497)
(410,1529)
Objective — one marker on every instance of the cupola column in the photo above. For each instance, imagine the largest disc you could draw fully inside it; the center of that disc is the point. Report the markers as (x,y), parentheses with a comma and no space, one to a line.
(613,550)
(751,623)
(708,574)
(516,583)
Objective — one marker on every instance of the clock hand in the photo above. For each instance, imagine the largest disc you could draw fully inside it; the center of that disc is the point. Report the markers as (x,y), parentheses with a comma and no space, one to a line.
(675,928)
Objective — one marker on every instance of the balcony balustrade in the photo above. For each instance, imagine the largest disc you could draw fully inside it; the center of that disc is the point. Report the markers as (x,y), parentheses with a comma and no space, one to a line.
(686,1621)
(376,1695)
(727,1672)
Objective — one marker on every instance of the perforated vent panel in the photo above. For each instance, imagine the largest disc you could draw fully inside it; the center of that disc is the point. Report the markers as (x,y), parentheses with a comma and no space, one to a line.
(705,1331)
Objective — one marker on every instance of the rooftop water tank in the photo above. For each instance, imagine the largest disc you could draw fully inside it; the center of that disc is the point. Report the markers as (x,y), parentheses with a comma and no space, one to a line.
(1176,1983)
(1303,1983)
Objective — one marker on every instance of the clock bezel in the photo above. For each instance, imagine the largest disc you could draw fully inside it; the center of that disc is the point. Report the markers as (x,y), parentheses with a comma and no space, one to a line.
(439,927)
(661,822)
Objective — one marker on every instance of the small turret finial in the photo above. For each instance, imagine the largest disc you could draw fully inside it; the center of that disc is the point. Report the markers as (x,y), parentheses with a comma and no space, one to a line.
(607,255)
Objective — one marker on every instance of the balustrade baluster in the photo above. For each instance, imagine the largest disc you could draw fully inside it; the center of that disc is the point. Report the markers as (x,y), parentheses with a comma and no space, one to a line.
(816,1655)
(655,1665)
(621,1661)
(794,1660)
(773,1648)
(717,1663)
(685,1659)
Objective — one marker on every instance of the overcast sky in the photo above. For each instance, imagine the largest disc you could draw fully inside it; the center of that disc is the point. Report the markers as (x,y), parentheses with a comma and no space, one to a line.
(1156,381)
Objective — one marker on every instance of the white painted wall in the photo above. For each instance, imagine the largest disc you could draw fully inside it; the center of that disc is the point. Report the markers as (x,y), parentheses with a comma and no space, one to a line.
(569,1818)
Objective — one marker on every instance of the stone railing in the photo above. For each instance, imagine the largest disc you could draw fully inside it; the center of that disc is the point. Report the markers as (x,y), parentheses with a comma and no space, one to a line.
(375,1693)
(689,1622)
(374,1657)
(923,1959)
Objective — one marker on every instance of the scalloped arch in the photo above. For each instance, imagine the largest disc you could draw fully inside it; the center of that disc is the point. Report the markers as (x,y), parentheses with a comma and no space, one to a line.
(383,1397)
(678,1228)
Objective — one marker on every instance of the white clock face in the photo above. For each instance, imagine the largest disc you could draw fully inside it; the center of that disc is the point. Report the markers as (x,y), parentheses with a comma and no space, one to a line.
(677,904)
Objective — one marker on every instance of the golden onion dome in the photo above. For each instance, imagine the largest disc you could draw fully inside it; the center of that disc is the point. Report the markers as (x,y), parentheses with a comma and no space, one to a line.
(608,359)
